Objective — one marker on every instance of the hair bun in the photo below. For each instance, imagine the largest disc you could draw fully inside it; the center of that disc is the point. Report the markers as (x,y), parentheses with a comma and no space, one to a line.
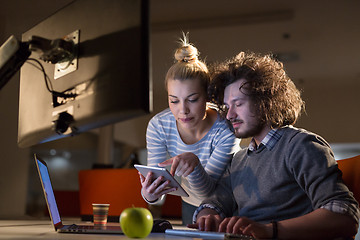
(186,53)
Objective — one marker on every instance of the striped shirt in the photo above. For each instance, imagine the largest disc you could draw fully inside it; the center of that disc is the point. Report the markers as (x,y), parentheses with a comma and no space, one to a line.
(214,151)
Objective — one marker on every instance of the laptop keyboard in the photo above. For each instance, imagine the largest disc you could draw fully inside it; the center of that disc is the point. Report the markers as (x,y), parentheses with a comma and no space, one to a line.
(206,235)
(80,227)
(238,236)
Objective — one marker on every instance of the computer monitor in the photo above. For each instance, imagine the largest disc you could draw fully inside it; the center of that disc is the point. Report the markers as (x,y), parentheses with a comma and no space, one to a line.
(109,80)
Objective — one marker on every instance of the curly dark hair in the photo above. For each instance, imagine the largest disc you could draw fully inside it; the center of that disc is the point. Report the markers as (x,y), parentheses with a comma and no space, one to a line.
(273,94)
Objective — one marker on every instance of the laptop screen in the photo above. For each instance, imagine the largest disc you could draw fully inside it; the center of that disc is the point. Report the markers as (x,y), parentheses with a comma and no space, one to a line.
(48,191)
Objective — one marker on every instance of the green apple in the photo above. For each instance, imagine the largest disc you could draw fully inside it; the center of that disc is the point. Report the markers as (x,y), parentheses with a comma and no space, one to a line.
(136,222)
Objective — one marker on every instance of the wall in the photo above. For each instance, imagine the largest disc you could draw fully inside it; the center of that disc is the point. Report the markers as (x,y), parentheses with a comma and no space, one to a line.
(321,43)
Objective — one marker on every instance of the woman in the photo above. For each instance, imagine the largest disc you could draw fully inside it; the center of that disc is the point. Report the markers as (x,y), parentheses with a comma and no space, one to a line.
(189,136)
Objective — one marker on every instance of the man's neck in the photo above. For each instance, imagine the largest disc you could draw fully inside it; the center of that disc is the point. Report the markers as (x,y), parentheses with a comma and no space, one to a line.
(261,135)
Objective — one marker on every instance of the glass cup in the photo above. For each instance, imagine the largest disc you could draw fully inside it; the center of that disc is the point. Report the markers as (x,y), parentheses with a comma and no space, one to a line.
(100,213)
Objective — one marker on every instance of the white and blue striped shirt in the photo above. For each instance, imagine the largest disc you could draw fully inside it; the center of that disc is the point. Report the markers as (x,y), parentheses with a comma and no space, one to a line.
(214,151)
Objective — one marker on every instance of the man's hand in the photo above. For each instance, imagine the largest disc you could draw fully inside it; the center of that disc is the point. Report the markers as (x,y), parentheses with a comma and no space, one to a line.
(246,226)
(182,164)
(209,220)
(207,223)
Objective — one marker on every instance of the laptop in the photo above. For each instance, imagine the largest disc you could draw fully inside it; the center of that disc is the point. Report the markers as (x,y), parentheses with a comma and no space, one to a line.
(193,233)
(54,212)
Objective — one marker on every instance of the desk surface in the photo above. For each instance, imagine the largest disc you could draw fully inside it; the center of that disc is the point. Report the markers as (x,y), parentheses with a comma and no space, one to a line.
(43,229)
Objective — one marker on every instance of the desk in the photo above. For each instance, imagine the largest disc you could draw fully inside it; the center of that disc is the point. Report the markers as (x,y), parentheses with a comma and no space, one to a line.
(43,229)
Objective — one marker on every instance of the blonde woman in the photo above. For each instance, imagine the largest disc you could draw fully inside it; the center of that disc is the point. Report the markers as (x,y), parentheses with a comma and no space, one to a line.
(189,136)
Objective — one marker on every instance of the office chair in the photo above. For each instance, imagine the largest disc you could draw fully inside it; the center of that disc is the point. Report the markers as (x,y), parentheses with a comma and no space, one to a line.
(118,187)
(350,168)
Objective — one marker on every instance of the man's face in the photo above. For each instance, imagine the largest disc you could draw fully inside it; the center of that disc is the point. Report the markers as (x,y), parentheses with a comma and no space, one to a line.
(240,111)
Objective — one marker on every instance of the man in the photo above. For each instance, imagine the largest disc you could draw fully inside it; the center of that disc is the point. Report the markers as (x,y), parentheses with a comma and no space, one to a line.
(286,184)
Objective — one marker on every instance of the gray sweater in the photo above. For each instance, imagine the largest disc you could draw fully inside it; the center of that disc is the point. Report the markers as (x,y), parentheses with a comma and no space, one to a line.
(299,174)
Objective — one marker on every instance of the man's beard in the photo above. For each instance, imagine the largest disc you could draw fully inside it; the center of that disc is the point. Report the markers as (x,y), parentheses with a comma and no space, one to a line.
(253,130)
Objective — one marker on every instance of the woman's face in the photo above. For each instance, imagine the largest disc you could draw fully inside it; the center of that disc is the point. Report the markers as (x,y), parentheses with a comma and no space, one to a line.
(187,101)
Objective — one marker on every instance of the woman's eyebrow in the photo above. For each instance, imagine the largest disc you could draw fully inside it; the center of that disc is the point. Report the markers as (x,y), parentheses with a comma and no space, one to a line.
(192,94)
(187,96)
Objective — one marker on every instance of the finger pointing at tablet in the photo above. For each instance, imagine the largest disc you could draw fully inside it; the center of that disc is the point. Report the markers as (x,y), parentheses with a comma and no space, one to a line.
(182,164)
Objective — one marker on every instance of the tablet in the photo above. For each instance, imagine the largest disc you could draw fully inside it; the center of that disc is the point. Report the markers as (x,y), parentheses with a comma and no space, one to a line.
(159,171)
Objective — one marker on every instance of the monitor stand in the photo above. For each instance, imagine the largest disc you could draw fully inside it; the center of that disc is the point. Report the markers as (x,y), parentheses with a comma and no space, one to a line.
(105,157)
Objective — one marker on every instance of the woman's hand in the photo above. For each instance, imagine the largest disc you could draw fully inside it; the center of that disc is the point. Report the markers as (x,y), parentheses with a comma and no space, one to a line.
(182,164)
(154,189)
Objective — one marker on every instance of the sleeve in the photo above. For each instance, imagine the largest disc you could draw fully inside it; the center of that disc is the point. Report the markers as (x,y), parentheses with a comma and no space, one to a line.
(155,143)
(221,200)
(156,150)
(203,179)
(317,174)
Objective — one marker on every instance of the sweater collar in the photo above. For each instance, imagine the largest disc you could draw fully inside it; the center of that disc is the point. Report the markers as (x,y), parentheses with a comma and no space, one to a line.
(269,140)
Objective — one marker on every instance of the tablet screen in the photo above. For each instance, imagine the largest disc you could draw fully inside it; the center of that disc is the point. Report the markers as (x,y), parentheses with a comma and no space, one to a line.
(158,171)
